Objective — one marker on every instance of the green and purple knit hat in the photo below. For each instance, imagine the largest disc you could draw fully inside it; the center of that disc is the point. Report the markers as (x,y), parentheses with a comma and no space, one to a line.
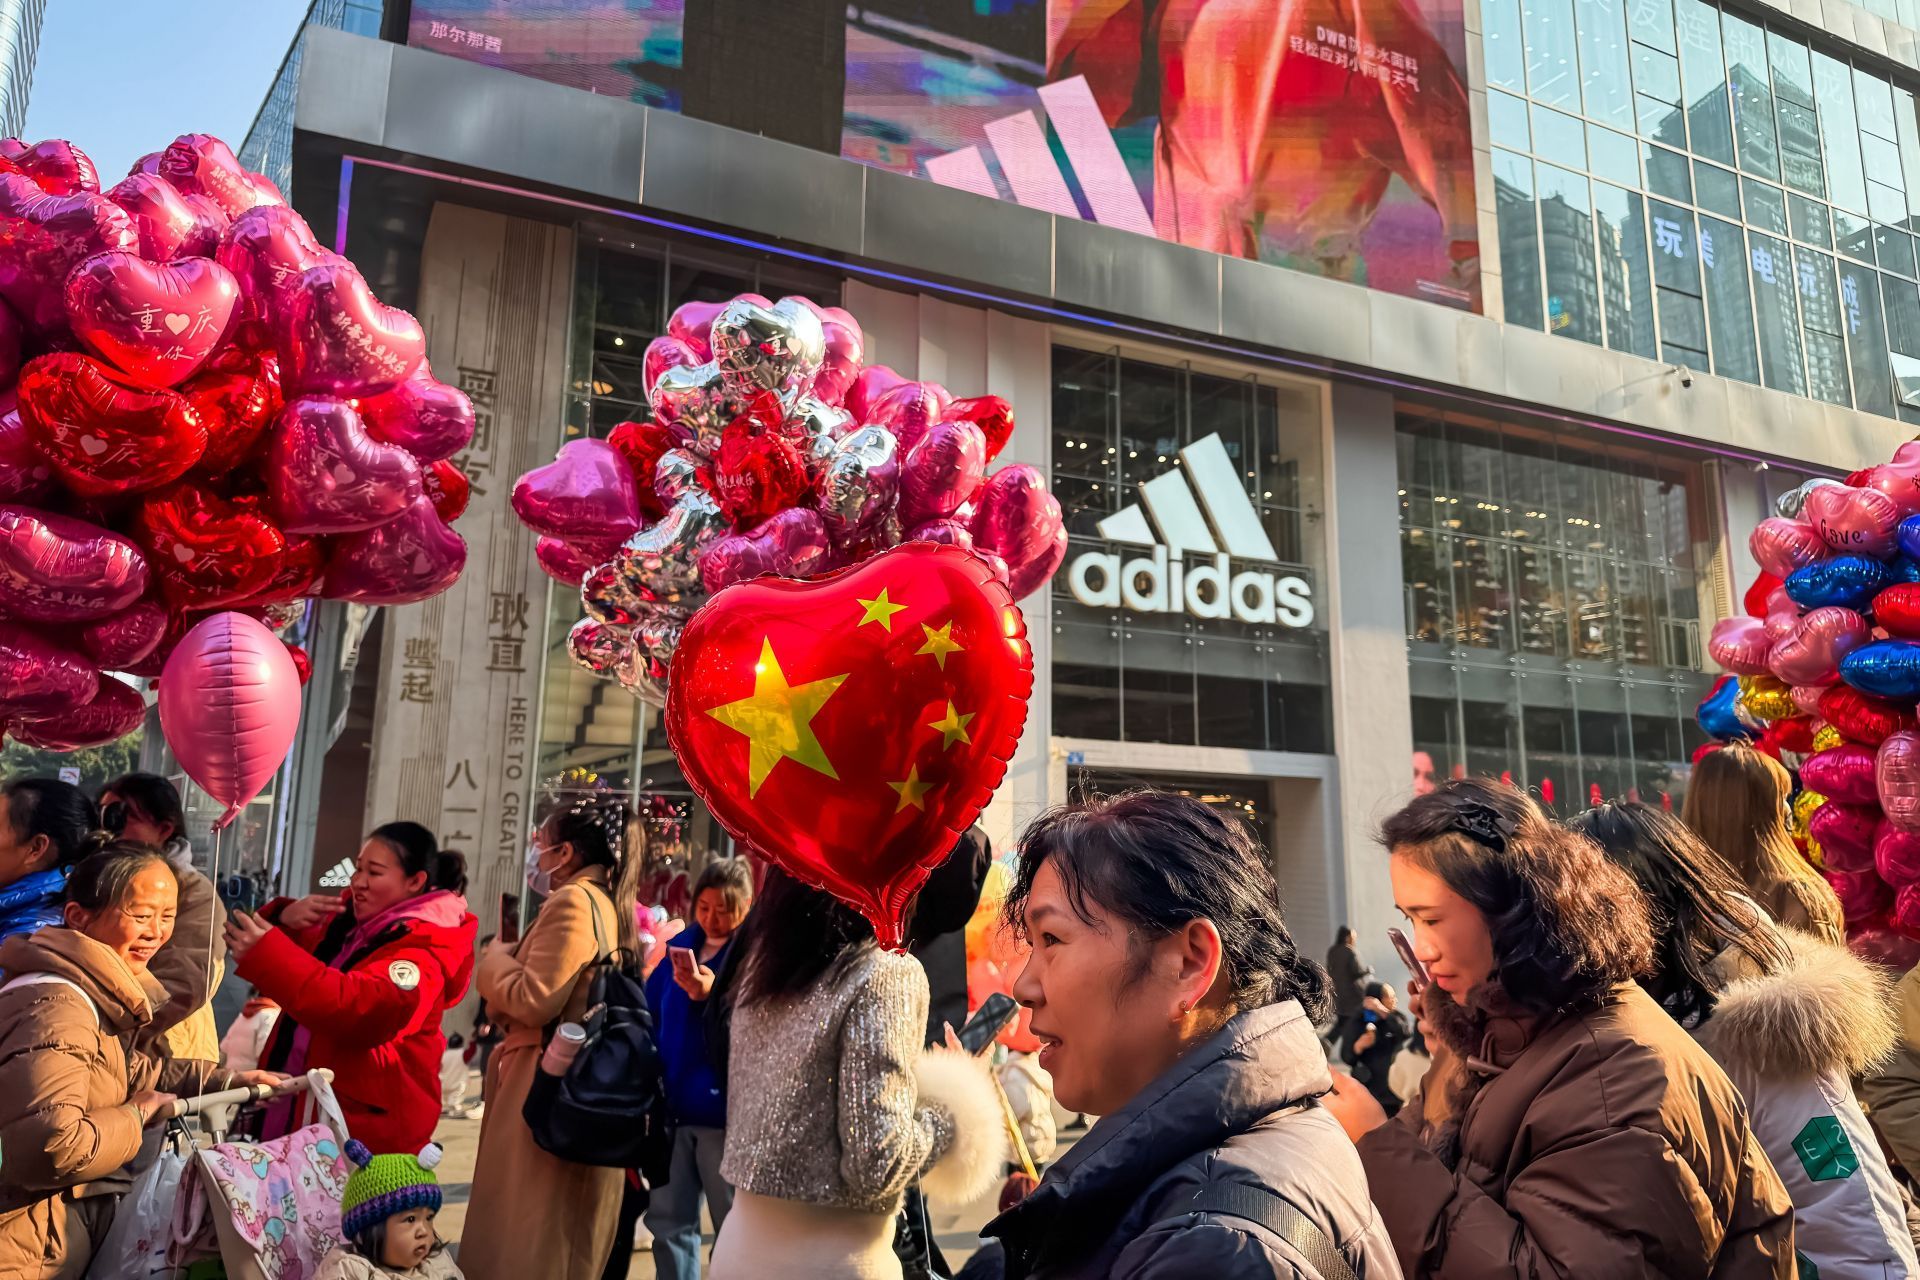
(381,1186)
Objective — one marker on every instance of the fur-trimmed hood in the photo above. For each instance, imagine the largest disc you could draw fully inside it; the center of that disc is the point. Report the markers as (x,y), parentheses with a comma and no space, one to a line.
(1827,1010)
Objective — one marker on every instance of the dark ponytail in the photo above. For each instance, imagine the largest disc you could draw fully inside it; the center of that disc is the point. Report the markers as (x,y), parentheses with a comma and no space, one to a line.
(57,810)
(605,833)
(450,872)
(152,797)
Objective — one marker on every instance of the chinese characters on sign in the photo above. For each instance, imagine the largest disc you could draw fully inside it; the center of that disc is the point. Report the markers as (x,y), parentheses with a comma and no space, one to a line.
(1367,60)
(469,39)
(417,668)
(461,806)
(477,459)
(507,631)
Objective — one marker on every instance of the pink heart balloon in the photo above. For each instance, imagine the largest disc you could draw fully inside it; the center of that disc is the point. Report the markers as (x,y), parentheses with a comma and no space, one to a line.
(1781,623)
(1780,545)
(792,544)
(57,569)
(1858,521)
(44,237)
(200,164)
(114,711)
(426,417)
(409,558)
(1740,645)
(585,495)
(692,323)
(336,338)
(909,410)
(325,475)
(846,346)
(58,167)
(1897,483)
(942,471)
(1844,773)
(157,322)
(564,562)
(268,249)
(947,532)
(1845,832)
(1896,775)
(1806,697)
(39,677)
(1019,519)
(869,385)
(1896,856)
(664,353)
(229,707)
(25,476)
(1811,653)
(164,221)
(126,638)
(1862,894)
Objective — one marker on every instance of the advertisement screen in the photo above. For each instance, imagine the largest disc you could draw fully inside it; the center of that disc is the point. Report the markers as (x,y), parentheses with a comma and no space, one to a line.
(1329,136)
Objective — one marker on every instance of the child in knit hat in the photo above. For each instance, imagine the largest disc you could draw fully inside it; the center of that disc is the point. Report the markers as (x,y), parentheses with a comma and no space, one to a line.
(386,1215)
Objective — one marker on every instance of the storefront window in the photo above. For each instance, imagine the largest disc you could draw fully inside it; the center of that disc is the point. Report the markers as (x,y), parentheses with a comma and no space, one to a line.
(1186,611)
(1552,611)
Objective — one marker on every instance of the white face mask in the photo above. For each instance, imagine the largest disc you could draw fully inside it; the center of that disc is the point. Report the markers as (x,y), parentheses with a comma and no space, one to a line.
(539,880)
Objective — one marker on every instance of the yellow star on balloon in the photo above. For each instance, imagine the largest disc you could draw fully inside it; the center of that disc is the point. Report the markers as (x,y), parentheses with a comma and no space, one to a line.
(953,727)
(777,720)
(879,609)
(939,643)
(912,791)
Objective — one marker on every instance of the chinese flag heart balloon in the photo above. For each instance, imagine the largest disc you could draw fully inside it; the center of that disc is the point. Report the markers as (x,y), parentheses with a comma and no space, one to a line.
(103,435)
(114,711)
(851,727)
(157,322)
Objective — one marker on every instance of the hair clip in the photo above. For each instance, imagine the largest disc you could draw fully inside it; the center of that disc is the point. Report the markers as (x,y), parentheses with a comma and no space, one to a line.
(1482,823)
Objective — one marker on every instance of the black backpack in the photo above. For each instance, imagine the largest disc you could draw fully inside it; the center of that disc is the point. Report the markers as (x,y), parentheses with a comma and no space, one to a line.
(610,1108)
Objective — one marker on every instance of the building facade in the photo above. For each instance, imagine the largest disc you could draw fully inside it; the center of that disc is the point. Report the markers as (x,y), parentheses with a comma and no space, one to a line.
(20,22)
(1548,345)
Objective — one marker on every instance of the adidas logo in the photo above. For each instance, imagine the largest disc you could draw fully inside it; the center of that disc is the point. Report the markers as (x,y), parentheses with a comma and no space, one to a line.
(1163,582)
(338,875)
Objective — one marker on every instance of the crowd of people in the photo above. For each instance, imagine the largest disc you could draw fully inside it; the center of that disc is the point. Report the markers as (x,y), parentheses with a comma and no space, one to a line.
(1629,1044)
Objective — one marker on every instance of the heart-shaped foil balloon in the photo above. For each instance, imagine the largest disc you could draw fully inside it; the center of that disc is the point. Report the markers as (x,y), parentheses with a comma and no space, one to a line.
(58,168)
(336,338)
(566,563)
(1845,832)
(869,385)
(662,561)
(102,435)
(423,415)
(1861,717)
(1766,699)
(692,323)
(1898,483)
(694,398)
(908,411)
(599,647)
(792,544)
(755,476)
(1854,521)
(1017,518)
(1884,668)
(39,677)
(1844,773)
(43,237)
(1740,645)
(663,353)
(1896,859)
(448,488)
(200,164)
(114,711)
(1850,582)
(206,552)
(268,249)
(942,471)
(1896,777)
(845,348)
(409,558)
(861,484)
(1811,653)
(1897,610)
(817,428)
(760,348)
(1780,545)
(678,473)
(25,475)
(167,225)
(325,475)
(1863,894)
(643,444)
(851,727)
(236,399)
(297,577)
(126,638)
(157,322)
(586,494)
(608,597)
(57,569)
(1793,502)
(993,415)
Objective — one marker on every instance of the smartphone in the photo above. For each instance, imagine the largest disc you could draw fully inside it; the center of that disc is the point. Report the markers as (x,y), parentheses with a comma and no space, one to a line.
(509,919)
(682,959)
(1398,938)
(994,1013)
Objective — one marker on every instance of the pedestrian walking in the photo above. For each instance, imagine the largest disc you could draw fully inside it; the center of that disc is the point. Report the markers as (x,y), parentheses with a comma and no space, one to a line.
(1737,802)
(531,1213)
(678,991)
(363,981)
(833,1107)
(1792,1020)
(46,827)
(1373,1039)
(1567,1126)
(1350,975)
(1170,1000)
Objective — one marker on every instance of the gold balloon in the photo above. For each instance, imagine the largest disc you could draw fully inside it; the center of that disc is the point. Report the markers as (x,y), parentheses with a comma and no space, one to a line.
(1804,805)
(1825,738)
(1766,698)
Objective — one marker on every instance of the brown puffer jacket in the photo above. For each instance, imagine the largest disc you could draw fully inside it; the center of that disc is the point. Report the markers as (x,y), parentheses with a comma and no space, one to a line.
(65,1079)
(1603,1145)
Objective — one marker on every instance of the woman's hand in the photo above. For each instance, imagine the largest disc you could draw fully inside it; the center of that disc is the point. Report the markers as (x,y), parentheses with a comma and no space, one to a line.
(953,1043)
(258,1079)
(1357,1110)
(150,1103)
(242,931)
(499,947)
(315,908)
(696,980)
(1365,1042)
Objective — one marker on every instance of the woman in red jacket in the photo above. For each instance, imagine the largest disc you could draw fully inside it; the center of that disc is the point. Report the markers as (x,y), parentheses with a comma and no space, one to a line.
(362,980)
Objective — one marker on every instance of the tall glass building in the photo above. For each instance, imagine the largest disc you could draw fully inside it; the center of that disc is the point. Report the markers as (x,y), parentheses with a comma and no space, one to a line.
(19,49)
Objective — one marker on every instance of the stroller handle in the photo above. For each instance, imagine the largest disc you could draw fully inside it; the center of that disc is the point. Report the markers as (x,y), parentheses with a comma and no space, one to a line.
(245,1093)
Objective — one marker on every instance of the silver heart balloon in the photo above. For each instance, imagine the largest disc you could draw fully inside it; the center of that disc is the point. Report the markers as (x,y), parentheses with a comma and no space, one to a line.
(644,678)
(694,397)
(676,475)
(1794,500)
(819,428)
(658,631)
(861,480)
(598,647)
(661,563)
(778,348)
(608,597)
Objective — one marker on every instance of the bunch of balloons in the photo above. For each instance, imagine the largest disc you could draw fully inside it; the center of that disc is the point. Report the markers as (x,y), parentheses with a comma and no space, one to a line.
(771,450)
(1825,668)
(201,409)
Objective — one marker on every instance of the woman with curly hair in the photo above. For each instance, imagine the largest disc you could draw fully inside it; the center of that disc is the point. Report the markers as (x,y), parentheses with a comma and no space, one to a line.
(1568,1126)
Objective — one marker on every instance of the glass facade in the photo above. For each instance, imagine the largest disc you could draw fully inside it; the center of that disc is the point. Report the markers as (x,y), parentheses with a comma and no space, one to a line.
(268,147)
(1553,611)
(1124,674)
(1677,181)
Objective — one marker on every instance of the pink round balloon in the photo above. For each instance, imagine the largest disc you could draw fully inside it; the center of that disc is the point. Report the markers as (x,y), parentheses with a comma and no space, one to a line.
(39,677)
(1780,545)
(587,494)
(410,557)
(1846,832)
(229,707)
(114,711)
(1896,855)
(1861,893)
(941,471)
(1740,645)
(58,569)
(1811,652)
(1855,521)
(1896,774)
(1844,773)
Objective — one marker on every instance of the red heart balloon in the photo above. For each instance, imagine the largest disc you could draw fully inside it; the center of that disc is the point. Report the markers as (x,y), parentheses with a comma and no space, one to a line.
(115,710)
(643,444)
(126,638)
(58,167)
(1864,718)
(157,322)
(336,338)
(236,397)
(205,551)
(448,488)
(297,576)
(25,475)
(39,677)
(44,237)
(851,727)
(869,385)
(991,414)
(103,435)
(423,415)
(199,163)
(302,664)
(410,557)
(167,225)
(57,569)
(326,476)
(756,475)
(1897,610)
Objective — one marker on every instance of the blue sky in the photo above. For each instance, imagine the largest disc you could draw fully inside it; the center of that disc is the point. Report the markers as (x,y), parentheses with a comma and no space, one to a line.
(120,78)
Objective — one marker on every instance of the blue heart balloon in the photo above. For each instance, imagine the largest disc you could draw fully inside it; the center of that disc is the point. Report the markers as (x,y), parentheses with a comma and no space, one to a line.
(1884,668)
(1850,582)
(1719,713)
(1908,536)
(1904,569)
